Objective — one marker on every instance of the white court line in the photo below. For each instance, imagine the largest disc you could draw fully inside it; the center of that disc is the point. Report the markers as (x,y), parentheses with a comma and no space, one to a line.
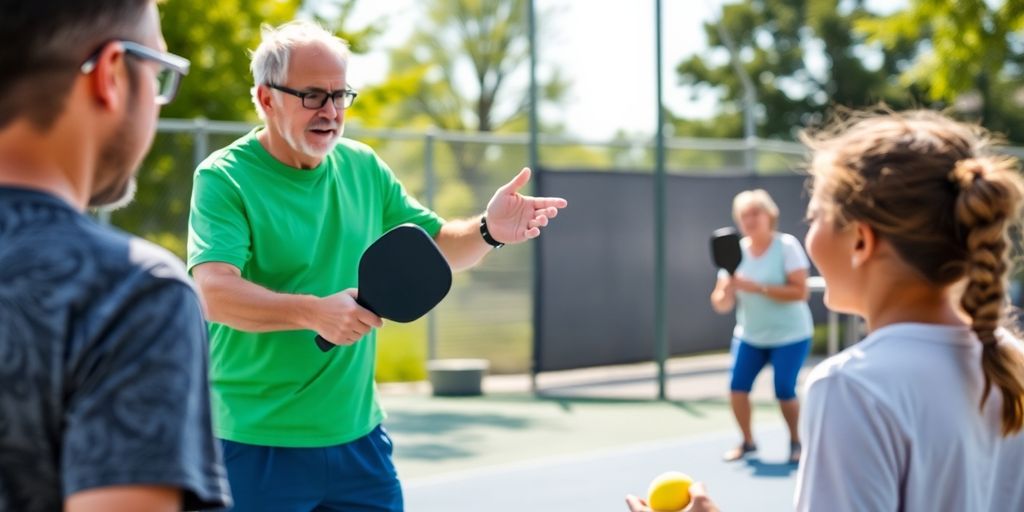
(497,469)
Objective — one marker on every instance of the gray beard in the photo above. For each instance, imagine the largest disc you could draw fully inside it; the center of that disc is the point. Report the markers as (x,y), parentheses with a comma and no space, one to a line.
(119,159)
(109,202)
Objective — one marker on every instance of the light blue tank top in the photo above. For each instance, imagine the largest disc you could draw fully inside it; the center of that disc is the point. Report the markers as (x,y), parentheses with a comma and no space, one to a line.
(761,321)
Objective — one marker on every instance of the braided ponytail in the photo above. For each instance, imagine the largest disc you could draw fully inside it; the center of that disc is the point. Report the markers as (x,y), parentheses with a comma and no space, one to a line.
(924,183)
(987,205)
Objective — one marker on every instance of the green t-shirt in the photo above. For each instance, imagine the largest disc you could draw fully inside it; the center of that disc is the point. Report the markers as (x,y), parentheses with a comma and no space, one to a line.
(294,231)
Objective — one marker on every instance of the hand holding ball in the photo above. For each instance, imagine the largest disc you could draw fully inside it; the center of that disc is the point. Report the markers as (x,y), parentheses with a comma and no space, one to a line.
(669,492)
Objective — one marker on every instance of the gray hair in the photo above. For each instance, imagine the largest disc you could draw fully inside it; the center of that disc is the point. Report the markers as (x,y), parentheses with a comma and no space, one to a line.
(270,59)
(758,198)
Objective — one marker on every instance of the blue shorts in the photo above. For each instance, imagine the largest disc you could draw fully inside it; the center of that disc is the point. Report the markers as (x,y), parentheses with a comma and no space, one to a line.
(353,477)
(786,362)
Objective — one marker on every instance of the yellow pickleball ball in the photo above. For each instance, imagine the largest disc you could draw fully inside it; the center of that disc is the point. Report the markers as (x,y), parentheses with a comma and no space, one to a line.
(669,492)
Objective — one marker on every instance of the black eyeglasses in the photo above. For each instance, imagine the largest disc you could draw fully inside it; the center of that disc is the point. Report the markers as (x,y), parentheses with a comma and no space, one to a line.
(315,99)
(172,67)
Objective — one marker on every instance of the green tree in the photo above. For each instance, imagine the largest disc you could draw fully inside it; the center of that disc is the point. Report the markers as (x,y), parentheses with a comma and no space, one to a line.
(216,36)
(967,53)
(464,69)
(772,39)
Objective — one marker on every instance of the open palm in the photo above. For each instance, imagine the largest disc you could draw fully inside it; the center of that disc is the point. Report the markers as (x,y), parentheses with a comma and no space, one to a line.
(514,218)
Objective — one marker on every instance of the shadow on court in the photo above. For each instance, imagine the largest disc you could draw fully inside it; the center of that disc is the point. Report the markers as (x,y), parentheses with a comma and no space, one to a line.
(439,436)
(433,451)
(441,423)
(771,469)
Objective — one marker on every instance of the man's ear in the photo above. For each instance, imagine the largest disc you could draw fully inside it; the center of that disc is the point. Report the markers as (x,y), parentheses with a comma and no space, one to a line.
(109,81)
(865,244)
(263,94)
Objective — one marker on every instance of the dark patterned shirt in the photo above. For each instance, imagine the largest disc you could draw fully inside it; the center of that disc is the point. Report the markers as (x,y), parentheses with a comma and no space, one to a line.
(103,363)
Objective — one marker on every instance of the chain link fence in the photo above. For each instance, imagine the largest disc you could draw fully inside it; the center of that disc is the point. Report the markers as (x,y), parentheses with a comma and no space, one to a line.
(488,313)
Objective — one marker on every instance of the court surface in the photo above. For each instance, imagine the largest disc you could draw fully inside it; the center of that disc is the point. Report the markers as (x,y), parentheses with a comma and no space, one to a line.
(584,449)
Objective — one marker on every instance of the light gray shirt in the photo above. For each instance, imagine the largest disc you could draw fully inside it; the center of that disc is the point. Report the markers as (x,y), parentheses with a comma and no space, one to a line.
(893,423)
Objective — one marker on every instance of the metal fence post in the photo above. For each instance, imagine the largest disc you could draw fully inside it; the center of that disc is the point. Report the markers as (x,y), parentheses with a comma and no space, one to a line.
(661,348)
(750,154)
(429,193)
(533,146)
(200,141)
(833,333)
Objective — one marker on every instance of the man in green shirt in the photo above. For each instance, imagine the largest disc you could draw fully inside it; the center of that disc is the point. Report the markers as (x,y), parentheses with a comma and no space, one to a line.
(278,222)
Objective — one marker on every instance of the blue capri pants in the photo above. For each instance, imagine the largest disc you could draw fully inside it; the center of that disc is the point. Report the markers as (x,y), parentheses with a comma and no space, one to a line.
(786,360)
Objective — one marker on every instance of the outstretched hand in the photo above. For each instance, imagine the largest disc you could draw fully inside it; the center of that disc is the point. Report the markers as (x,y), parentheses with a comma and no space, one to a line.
(513,218)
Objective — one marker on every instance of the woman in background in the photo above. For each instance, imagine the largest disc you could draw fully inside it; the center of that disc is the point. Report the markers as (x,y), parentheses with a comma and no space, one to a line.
(773,321)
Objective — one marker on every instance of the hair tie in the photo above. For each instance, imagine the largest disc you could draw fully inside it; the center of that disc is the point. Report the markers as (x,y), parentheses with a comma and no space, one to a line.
(967,170)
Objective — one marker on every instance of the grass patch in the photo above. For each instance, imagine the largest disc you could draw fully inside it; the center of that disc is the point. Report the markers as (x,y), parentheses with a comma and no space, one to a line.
(402,352)
(402,348)
(819,340)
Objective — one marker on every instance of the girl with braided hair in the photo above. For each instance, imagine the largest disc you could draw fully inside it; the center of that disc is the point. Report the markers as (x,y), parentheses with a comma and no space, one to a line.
(910,217)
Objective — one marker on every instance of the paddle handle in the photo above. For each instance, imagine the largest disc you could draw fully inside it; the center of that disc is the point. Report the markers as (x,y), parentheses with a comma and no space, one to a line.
(326,346)
(323,344)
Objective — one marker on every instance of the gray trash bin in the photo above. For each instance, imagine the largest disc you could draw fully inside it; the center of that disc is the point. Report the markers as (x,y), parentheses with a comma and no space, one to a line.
(457,377)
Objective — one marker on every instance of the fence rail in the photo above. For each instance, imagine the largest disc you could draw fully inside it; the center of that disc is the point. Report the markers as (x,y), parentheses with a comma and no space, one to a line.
(201,126)
(489,313)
